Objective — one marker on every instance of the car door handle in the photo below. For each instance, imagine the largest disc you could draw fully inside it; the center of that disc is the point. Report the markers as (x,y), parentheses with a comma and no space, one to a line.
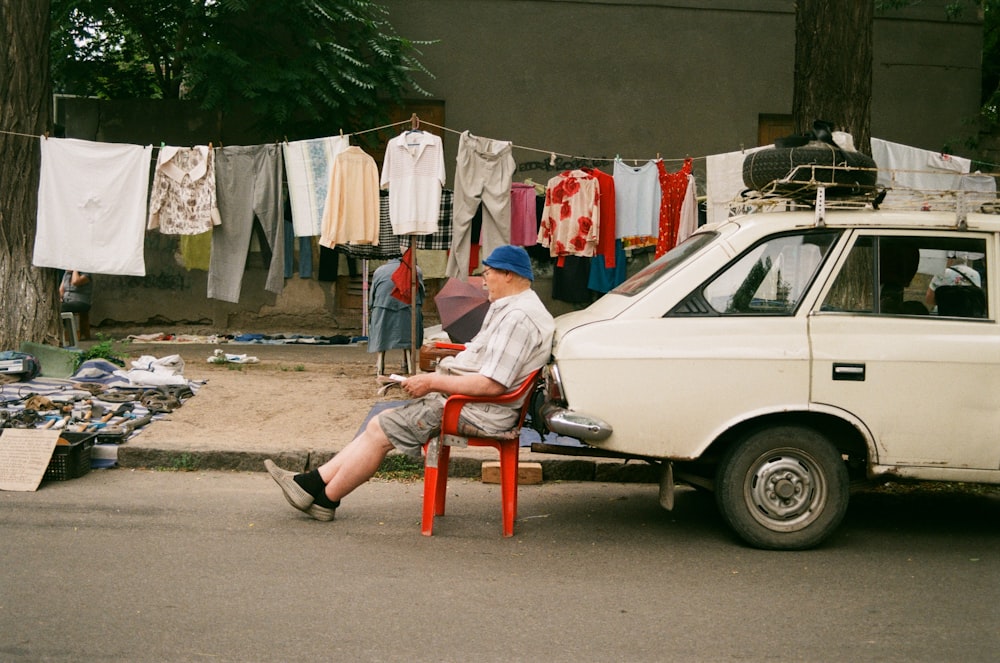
(853,372)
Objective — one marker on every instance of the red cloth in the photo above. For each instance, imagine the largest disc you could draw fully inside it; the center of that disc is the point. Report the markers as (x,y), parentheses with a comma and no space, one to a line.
(606,234)
(673,189)
(402,276)
(473,257)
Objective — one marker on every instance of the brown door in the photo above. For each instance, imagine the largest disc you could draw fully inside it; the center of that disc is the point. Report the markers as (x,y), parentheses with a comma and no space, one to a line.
(771,126)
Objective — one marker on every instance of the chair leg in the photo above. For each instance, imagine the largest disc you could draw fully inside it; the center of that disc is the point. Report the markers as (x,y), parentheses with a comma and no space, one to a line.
(70,336)
(508,485)
(435,489)
(84,325)
(441,489)
(430,490)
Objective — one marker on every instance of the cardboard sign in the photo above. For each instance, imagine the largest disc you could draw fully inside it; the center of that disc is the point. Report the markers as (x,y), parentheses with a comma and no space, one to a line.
(24,457)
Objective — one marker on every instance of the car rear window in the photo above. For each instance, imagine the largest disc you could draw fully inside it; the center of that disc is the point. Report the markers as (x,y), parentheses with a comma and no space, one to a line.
(668,261)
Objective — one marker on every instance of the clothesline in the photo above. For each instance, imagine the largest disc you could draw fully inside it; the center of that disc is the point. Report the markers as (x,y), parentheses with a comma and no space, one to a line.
(994,172)
(551,153)
(572,157)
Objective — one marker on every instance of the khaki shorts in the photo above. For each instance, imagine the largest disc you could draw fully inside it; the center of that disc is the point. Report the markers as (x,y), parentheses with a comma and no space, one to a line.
(409,426)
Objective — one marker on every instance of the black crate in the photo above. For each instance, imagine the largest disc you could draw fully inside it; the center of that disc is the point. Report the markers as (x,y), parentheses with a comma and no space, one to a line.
(72,460)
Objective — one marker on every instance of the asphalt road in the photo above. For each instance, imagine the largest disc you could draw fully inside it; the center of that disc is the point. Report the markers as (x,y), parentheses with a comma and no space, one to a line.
(129,565)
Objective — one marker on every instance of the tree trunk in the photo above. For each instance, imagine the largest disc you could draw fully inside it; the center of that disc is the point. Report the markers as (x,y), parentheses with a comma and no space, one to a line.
(833,66)
(29,309)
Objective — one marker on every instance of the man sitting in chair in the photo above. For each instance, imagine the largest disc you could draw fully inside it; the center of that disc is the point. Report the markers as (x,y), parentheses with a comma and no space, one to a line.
(515,341)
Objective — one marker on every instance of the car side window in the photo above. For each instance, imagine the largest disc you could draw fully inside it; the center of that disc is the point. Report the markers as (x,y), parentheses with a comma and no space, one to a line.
(771,277)
(943,276)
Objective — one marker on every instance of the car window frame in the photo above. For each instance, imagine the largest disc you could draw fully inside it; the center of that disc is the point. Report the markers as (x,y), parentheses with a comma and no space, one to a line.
(696,304)
(926,241)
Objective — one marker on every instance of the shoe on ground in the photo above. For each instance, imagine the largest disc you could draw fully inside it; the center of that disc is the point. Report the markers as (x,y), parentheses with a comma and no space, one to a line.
(294,493)
(321,512)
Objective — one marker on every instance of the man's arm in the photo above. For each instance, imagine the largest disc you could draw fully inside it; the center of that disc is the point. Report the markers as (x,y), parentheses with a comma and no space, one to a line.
(469,385)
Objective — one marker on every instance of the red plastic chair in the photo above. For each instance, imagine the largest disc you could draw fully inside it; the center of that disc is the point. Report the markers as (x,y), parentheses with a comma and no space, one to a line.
(508,444)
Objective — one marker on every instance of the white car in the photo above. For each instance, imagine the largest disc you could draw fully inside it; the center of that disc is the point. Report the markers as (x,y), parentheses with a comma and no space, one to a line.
(779,356)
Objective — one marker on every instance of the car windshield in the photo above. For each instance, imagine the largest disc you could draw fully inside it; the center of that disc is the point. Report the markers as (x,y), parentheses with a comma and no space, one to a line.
(668,261)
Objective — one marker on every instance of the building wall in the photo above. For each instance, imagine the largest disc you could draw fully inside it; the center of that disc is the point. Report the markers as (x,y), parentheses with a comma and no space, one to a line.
(638,78)
(578,78)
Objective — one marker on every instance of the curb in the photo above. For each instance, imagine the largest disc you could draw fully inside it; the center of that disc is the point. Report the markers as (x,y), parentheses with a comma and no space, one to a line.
(554,468)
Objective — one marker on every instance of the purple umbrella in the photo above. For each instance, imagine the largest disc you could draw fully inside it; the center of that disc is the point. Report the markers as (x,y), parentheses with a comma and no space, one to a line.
(462,306)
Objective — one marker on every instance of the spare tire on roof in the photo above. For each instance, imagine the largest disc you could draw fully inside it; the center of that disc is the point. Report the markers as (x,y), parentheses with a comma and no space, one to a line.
(788,170)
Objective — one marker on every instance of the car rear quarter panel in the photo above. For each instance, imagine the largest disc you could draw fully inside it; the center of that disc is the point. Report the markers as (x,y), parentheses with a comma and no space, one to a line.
(670,386)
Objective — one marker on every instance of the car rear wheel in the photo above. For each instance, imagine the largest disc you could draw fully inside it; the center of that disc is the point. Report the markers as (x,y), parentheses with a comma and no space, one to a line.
(783,488)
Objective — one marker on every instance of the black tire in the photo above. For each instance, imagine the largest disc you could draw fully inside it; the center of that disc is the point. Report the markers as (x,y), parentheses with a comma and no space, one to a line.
(765,170)
(783,488)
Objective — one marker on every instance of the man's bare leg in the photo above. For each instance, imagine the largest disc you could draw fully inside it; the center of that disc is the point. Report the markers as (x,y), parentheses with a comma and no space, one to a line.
(357,462)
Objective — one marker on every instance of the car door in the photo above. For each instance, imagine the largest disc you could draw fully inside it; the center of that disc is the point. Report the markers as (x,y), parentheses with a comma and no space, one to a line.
(924,382)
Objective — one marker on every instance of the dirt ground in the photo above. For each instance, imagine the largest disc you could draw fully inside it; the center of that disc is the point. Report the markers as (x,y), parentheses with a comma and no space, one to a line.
(293,398)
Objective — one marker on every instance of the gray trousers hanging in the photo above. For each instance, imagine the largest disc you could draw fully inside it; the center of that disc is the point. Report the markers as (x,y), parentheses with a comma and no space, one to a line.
(484,172)
(248,187)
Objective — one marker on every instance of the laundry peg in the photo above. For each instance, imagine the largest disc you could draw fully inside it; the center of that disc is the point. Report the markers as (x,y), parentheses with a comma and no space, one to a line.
(552,159)
(414,122)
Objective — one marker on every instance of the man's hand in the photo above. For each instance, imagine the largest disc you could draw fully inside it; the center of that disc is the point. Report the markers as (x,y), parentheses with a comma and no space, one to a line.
(419,385)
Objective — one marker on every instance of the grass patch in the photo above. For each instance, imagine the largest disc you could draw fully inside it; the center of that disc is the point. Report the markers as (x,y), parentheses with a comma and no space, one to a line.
(298,368)
(181,463)
(397,467)
(106,349)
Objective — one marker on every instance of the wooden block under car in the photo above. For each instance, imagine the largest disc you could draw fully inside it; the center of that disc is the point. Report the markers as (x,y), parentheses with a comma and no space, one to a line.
(527,472)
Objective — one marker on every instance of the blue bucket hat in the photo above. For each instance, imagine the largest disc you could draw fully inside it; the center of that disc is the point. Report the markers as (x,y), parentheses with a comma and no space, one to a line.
(512,259)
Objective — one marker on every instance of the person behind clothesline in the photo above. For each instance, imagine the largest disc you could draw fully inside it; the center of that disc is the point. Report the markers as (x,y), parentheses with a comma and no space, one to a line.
(75,292)
(957,272)
(515,341)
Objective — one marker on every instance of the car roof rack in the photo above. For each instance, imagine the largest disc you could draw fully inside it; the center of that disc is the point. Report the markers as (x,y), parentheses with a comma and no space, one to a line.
(819,188)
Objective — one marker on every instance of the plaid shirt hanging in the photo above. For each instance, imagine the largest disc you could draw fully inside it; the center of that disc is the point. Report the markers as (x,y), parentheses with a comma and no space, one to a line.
(388,244)
(441,240)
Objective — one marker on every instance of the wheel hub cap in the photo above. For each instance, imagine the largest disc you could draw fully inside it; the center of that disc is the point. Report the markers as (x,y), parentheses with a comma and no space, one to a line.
(785,491)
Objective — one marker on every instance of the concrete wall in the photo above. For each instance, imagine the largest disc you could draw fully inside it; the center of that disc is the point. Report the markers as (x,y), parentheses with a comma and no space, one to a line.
(583,78)
(637,78)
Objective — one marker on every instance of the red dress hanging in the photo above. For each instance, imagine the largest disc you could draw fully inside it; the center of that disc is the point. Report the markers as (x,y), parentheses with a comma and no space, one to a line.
(673,190)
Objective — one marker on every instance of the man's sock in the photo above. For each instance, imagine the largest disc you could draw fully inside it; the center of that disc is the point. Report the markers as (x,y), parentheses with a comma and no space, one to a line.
(326,502)
(311,482)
